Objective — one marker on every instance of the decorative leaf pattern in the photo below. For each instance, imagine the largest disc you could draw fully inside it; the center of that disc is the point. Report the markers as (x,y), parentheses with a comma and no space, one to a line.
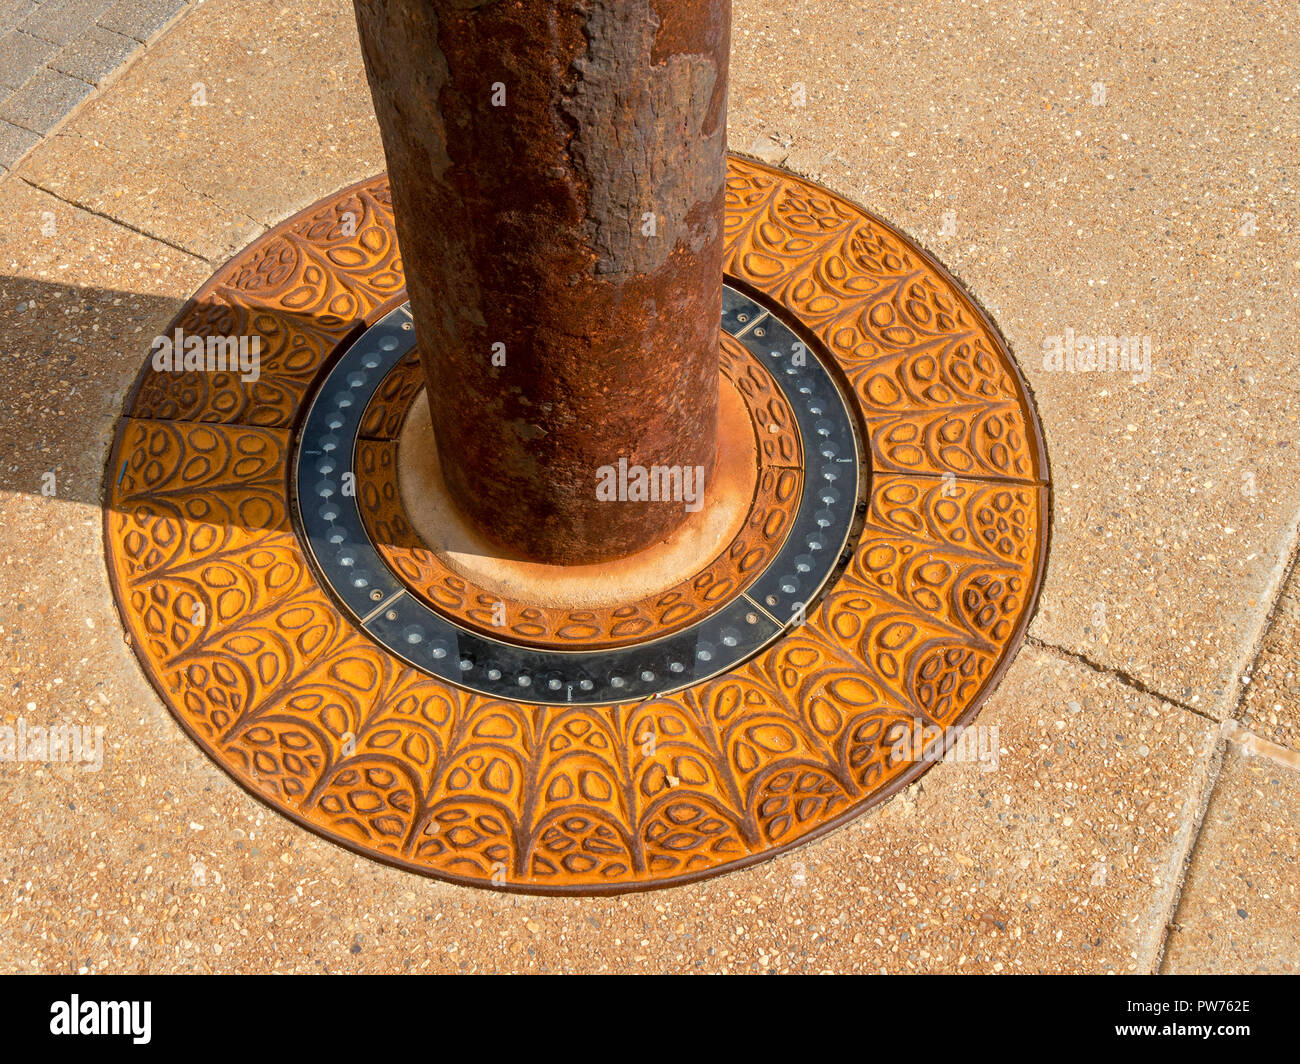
(936,389)
(302,289)
(281,689)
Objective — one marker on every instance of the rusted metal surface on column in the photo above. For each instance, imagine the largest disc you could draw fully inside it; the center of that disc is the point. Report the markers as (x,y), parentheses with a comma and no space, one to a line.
(557,175)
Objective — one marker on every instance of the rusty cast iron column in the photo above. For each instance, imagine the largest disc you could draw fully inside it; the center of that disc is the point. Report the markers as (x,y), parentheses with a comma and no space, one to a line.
(557,173)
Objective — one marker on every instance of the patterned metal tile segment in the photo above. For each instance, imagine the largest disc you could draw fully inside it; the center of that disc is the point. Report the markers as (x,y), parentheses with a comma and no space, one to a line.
(276,678)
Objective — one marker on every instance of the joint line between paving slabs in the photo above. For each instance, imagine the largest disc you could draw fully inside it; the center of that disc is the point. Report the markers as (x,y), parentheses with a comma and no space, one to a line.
(1273,594)
(1231,732)
(196,193)
(1184,864)
(1239,735)
(1126,678)
(109,218)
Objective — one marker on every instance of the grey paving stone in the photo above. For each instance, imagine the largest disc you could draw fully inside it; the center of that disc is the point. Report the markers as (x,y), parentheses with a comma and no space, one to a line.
(14,141)
(141,19)
(13,12)
(95,55)
(45,99)
(63,21)
(21,56)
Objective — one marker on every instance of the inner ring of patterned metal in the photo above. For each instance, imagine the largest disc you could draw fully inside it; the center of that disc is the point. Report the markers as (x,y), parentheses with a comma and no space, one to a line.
(776,600)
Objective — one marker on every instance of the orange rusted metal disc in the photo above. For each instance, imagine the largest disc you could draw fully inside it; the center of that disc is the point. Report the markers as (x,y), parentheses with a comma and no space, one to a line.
(291,687)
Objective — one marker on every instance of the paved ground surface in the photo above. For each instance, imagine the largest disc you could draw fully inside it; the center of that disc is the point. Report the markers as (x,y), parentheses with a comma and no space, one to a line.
(53,53)
(1087,170)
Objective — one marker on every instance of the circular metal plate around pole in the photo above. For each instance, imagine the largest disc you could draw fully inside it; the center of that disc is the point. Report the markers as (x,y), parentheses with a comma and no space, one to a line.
(257,589)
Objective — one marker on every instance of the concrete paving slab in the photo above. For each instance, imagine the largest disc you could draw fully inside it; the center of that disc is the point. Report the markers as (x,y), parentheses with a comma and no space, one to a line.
(59,47)
(13,12)
(1240,909)
(80,300)
(78,296)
